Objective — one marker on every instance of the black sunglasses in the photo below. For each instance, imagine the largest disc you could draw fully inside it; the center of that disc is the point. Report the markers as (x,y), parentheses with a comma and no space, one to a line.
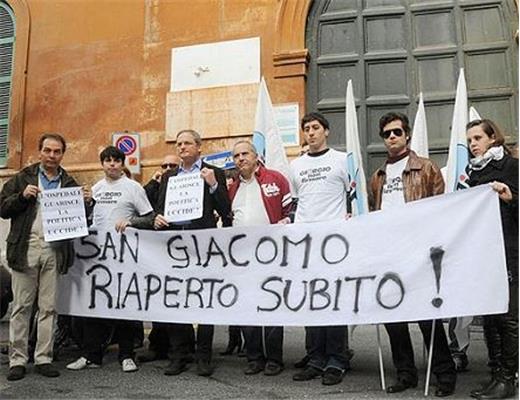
(169,165)
(397,132)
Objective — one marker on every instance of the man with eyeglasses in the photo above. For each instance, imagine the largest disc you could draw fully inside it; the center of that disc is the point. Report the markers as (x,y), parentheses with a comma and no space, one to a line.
(406,177)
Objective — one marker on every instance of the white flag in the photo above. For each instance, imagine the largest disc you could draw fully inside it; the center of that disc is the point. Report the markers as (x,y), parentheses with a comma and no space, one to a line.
(419,142)
(456,176)
(473,114)
(358,190)
(266,136)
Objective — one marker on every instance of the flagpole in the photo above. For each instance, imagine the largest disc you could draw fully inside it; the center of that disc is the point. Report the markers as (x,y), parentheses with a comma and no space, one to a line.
(430,356)
(380,355)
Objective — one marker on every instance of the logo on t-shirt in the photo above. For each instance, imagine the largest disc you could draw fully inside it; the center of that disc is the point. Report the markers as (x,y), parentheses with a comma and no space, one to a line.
(393,185)
(270,189)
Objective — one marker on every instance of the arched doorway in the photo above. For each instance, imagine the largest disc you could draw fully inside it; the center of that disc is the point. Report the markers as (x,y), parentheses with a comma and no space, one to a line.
(393,49)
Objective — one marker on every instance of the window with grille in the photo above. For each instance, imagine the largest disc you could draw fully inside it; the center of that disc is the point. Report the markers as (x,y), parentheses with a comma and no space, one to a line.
(6,73)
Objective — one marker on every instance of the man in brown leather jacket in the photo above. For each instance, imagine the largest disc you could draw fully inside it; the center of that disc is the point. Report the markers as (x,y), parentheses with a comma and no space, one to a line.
(402,178)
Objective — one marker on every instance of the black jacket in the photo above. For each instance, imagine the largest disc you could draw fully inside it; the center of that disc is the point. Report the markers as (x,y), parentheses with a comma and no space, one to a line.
(22,213)
(505,171)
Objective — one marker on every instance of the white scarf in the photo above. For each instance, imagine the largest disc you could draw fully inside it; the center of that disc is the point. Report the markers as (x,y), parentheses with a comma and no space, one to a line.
(493,153)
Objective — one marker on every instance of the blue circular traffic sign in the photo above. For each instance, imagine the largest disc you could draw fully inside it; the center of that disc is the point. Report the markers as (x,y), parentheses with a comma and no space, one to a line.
(126,144)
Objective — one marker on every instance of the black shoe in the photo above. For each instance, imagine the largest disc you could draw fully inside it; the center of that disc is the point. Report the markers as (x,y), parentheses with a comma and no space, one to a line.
(332,376)
(235,342)
(302,363)
(307,374)
(461,362)
(150,356)
(272,368)
(501,390)
(445,389)
(16,373)
(254,367)
(47,370)
(204,368)
(175,368)
(400,386)
(477,392)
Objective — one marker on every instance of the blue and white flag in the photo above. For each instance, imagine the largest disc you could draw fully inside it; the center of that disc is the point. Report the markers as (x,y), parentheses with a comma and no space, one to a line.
(419,142)
(358,190)
(456,177)
(266,136)
(473,114)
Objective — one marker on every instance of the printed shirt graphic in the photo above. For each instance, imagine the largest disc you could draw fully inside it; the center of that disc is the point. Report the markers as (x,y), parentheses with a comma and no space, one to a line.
(393,190)
(321,186)
(118,200)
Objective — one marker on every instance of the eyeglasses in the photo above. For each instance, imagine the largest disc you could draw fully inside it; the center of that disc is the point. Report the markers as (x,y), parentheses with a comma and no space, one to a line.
(397,132)
(169,165)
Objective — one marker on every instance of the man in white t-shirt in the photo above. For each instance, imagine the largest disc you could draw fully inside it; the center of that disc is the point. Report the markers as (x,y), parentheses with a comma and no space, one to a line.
(405,177)
(321,183)
(117,200)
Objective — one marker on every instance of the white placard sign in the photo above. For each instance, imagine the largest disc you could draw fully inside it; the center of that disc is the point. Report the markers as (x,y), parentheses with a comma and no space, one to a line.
(184,198)
(435,258)
(63,214)
(288,123)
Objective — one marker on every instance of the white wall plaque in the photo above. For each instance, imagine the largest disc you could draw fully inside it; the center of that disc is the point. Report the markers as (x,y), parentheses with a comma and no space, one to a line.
(234,62)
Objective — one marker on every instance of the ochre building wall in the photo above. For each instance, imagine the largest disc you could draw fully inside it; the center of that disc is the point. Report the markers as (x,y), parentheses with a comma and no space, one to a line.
(93,67)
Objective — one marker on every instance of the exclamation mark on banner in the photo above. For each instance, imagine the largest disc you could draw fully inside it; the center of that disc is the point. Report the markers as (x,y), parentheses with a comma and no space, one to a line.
(436,254)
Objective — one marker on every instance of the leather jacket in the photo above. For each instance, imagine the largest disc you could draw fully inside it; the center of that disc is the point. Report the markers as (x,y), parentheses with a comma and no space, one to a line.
(421,178)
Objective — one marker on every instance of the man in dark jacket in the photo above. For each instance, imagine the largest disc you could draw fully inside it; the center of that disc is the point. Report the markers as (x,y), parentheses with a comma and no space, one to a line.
(405,177)
(35,263)
(215,200)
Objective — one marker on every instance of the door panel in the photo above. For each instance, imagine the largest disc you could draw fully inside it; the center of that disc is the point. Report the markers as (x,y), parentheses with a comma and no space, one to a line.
(394,49)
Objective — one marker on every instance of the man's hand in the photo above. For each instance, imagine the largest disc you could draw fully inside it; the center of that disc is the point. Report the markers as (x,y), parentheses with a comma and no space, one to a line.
(121,225)
(284,221)
(160,222)
(504,193)
(30,191)
(157,176)
(209,176)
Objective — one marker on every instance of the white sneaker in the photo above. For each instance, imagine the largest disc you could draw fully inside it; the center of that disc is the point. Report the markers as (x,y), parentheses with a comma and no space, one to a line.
(82,363)
(128,365)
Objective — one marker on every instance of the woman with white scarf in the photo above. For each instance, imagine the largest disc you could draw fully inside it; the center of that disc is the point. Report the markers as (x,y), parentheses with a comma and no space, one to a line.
(492,164)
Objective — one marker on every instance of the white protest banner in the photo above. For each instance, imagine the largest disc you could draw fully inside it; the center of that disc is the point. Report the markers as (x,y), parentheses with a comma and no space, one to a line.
(184,196)
(435,258)
(63,214)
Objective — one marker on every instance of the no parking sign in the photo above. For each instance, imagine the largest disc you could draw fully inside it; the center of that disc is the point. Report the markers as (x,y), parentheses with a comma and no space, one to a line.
(129,143)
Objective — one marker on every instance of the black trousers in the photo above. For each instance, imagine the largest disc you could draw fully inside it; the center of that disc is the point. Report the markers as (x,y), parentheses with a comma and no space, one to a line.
(158,338)
(97,331)
(501,333)
(326,346)
(183,343)
(402,351)
(273,338)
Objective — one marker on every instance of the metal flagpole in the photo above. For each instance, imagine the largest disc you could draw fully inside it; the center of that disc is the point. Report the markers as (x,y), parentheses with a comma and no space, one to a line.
(430,355)
(380,353)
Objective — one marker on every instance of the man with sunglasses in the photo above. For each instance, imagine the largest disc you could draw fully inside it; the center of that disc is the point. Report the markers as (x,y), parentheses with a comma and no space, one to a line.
(406,177)
(171,161)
